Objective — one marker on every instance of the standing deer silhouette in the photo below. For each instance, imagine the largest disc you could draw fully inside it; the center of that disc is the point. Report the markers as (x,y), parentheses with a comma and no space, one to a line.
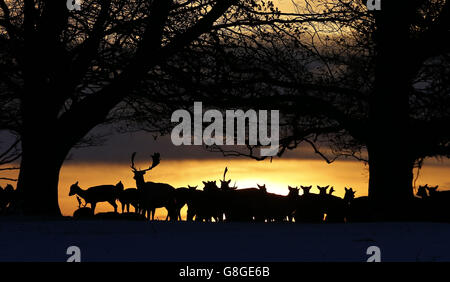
(309,207)
(359,209)
(153,195)
(127,197)
(438,203)
(97,194)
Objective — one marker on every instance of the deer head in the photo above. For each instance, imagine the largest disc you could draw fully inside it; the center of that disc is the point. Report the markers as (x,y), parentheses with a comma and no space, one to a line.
(432,190)
(74,188)
(306,189)
(349,194)
(422,191)
(210,186)
(139,174)
(262,188)
(293,191)
(192,188)
(225,184)
(323,190)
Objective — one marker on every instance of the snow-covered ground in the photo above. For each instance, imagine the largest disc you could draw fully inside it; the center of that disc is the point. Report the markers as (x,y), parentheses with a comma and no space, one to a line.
(119,240)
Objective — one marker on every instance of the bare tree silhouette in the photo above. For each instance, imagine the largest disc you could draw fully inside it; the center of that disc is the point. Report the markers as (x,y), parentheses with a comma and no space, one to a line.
(9,155)
(65,72)
(367,85)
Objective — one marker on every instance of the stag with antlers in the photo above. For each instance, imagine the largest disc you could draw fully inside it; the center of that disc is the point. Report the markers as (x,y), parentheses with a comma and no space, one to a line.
(153,195)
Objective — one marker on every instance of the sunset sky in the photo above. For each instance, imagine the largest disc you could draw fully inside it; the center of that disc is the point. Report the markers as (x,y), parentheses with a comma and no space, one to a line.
(190,165)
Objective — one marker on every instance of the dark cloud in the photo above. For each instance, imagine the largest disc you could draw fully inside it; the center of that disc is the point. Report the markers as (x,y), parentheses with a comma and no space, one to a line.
(119,147)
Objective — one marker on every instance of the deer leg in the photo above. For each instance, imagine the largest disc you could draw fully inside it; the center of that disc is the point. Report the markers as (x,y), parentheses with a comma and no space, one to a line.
(93,207)
(113,203)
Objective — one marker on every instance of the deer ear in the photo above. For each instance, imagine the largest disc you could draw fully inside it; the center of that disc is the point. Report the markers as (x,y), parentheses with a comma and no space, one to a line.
(204,182)
(327,186)
(229,181)
(76,183)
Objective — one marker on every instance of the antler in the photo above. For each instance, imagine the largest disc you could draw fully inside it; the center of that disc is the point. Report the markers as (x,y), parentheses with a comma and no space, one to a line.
(132,161)
(156,159)
(224,173)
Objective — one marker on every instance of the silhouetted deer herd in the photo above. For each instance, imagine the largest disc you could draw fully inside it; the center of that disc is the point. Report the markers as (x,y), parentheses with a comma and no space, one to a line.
(228,203)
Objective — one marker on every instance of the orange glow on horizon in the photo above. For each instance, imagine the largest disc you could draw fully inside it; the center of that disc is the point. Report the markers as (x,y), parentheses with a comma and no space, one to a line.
(246,173)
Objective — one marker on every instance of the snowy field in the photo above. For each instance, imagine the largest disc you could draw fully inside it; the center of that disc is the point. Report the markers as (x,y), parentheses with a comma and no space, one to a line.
(119,240)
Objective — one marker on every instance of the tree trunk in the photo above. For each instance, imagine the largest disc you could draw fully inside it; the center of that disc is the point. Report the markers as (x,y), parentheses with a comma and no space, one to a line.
(390,133)
(38,179)
(390,184)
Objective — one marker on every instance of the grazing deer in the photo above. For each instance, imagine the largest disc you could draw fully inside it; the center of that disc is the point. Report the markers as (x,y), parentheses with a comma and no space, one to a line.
(127,197)
(83,213)
(153,195)
(80,203)
(97,194)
